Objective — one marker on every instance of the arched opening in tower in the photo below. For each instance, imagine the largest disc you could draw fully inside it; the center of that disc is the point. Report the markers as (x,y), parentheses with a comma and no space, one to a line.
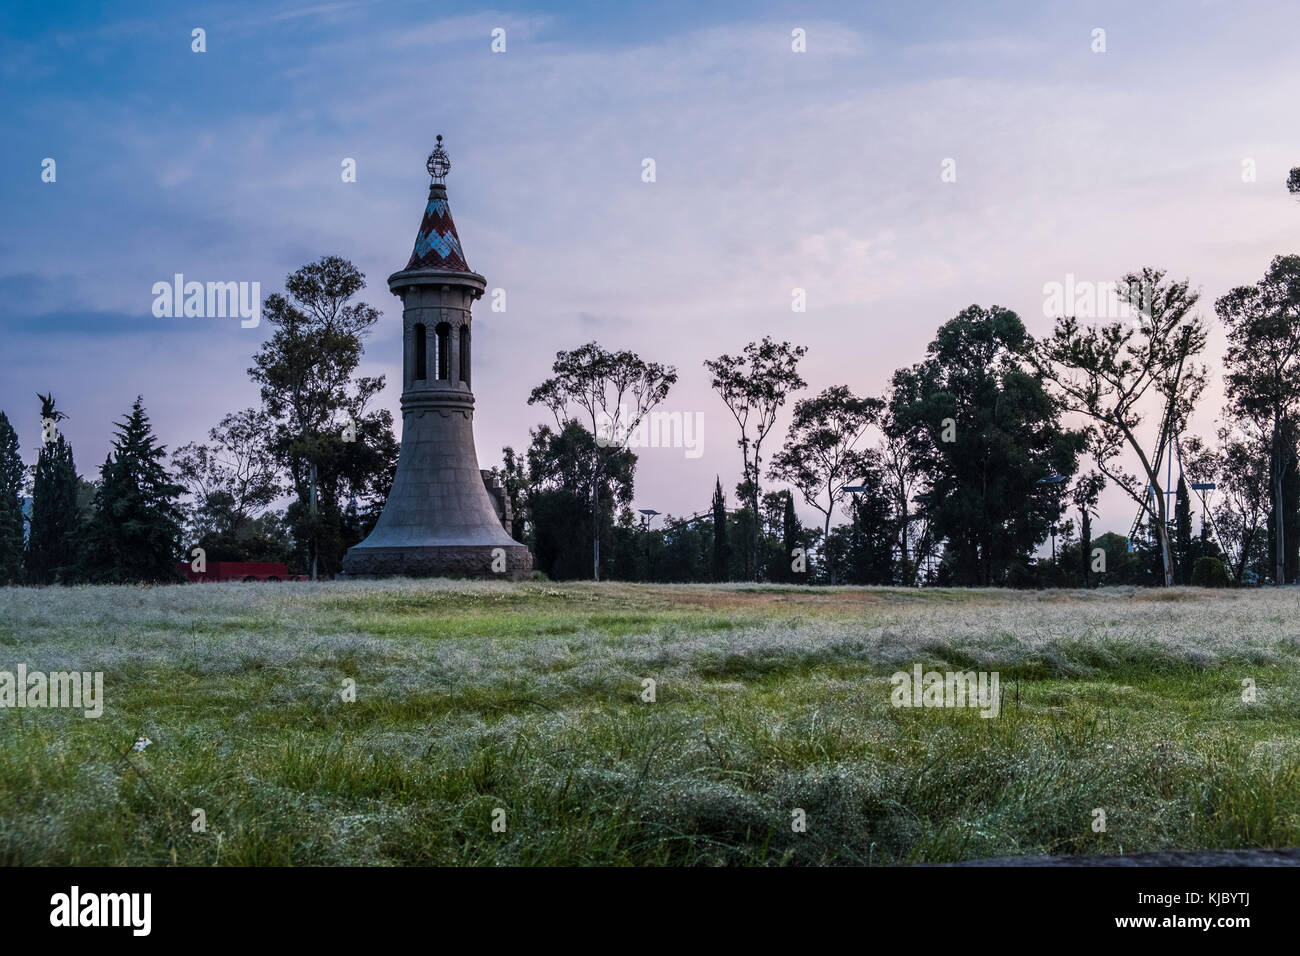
(464,353)
(421,368)
(442,331)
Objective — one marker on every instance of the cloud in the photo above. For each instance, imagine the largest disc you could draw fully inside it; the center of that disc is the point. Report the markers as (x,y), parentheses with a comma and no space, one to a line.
(775,170)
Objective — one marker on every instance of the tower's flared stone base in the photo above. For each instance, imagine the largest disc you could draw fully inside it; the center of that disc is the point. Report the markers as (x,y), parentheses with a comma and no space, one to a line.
(439,518)
(475,561)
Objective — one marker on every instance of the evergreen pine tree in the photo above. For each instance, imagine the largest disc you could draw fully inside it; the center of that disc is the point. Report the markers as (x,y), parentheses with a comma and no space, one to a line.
(1085,492)
(1085,545)
(1283,462)
(134,533)
(721,542)
(50,548)
(874,527)
(1183,533)
(1151,562)
(1291,502)
(11,505)
(790,529)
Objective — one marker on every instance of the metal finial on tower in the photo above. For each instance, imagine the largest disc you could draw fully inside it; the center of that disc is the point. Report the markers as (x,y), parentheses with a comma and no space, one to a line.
(439,163)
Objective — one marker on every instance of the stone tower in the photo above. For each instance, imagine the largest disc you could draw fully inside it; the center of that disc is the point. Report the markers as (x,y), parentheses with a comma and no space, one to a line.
(440,518)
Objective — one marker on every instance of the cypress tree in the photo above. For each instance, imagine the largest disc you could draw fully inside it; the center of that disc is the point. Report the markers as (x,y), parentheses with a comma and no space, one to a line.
(1283,462)
(1291,502)
(134,533)
(11,505)
(1085,545)
(721,543)
(1183,533)
(1087,488)
(1284,480)
(875,526)
(790,529)
(50,545)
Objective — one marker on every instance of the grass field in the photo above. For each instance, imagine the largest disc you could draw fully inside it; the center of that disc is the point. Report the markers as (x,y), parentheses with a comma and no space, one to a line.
(528,698)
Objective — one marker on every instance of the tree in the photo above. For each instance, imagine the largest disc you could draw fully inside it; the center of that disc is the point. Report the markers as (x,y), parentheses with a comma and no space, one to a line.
(1209,573)
(51,549)
(1284,523)
(902,474)
(791,539)
(11,505)
(681,551)
(567,502)
(985,433)
(134,533)
(513,475)
(820,455)
(1183,532)
(754,386)
(330,446)
(1106,372)
(613,391)
(721,544)
(231,481)
(1087,489)
(1238,465)
(1263,371)
(1293,181)
(872,533)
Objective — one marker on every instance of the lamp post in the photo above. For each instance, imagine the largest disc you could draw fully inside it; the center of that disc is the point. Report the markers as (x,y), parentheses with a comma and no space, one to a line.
(647,515)
(1203,486)
(856,491)
(1051,528)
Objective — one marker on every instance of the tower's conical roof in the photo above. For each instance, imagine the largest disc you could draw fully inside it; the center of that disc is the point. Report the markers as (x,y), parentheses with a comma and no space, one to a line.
(436,245)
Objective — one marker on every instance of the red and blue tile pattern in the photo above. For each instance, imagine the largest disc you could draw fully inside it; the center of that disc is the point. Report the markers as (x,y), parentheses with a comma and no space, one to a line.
(437,246)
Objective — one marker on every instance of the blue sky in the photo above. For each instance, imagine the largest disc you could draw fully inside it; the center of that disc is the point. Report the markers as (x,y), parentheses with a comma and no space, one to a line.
(775,171)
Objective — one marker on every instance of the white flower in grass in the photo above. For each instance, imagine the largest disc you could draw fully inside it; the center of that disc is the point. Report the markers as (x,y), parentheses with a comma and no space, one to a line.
(141,742)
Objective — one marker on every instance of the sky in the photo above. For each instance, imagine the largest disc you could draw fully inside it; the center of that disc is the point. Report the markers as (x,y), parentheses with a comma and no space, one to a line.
(775,170)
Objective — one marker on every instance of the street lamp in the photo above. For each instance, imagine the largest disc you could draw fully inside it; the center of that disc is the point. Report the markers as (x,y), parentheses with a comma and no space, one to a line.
(1051,528)
(1203,486)
(647,515)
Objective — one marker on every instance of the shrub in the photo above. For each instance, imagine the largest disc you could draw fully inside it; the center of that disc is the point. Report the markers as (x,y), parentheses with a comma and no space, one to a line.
(1209,573)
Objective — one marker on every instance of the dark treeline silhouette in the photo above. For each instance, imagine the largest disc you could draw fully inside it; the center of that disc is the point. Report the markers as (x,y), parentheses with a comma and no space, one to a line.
(990,450)
(979,465)
(312,440)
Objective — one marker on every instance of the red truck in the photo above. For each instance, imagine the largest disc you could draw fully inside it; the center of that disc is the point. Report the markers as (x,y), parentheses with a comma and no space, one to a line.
(239,571)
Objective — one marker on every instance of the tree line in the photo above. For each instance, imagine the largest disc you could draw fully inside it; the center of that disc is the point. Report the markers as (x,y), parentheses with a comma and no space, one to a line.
(960,473)
(965,468)
(313,440)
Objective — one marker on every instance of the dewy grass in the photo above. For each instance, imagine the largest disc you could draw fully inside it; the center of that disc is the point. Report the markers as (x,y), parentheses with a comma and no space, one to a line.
(498,723)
